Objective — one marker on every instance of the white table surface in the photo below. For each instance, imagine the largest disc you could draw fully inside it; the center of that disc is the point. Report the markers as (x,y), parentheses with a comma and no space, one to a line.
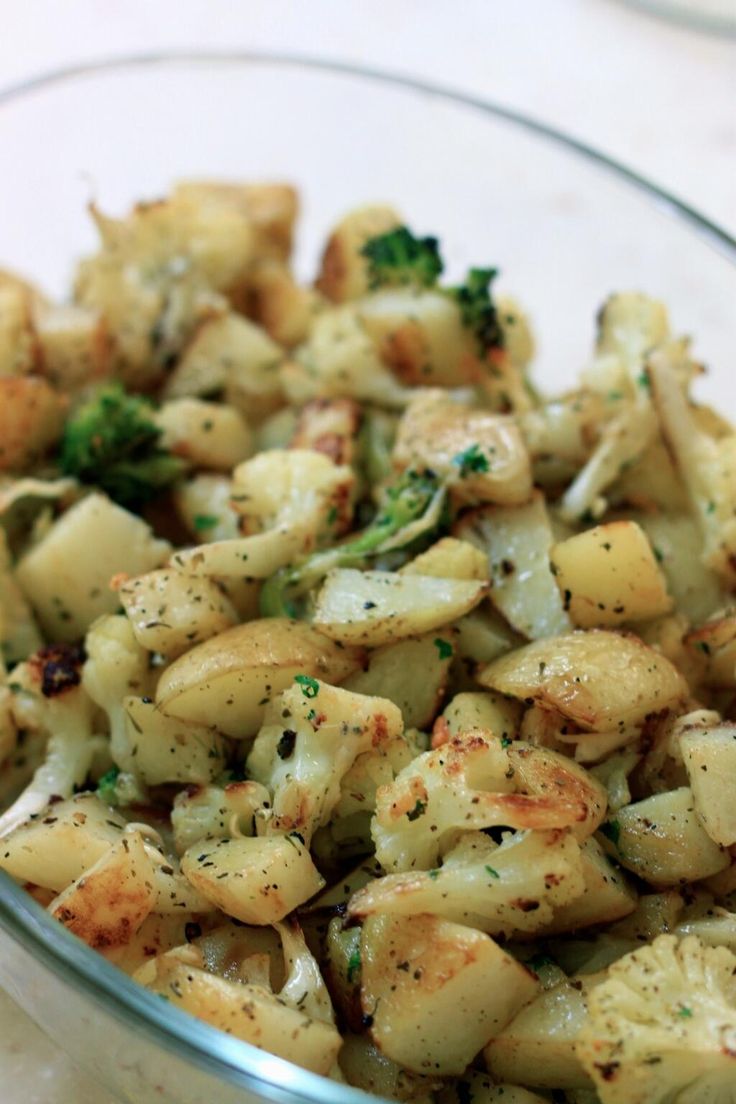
(659,97)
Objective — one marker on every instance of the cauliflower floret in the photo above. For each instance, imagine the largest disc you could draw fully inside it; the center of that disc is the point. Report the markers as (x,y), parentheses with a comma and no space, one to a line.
(47,697)
(304,987)
(499,889)
(706,464)
(117,666)
(216,812)
(340,360)
(481,455)
(473,781)
(662,1026)
(312,735)
(289,499)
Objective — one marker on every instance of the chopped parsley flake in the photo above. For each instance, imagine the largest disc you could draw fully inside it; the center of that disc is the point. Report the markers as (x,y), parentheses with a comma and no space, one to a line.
(443,647)
(204,521)
(310,686)
(493,873)
(471,460)
(611,829)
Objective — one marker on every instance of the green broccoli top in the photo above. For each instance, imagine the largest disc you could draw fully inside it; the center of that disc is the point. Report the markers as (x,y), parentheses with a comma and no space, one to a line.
(398,258)
(477,308)
(113,442)
(407,500)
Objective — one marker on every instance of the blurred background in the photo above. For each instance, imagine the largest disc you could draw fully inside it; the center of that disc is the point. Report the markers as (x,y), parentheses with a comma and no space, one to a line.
(651,82)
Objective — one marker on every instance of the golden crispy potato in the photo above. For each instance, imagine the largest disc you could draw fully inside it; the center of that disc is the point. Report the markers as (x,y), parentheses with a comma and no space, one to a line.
(228,680)
(31,414)
(437,992)
(256,880)
(110,901)
(171,612)
(609,575)
(598,679)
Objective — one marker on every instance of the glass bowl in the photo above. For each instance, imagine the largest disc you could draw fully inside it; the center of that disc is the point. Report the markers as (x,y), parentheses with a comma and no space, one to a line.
(566,226)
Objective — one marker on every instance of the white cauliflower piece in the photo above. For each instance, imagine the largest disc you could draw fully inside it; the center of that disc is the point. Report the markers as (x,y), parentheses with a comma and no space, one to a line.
(340,360)
(662,1026)
(706,464)
(304,988)
(474,782)
(117,666)
(312,735)
(47,698)
(481,455)
(216,812)
(502,889)
(288,499)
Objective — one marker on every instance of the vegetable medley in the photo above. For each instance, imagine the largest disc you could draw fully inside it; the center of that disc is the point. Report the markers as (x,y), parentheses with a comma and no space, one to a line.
(356,698)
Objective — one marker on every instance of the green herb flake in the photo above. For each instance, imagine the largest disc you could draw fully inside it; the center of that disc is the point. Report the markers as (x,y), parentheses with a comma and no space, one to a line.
(471,460)
(106,787)
(353,964)
(505,742)
(685,1013)
(493,873)
(658,554)
(643,380)
(611,829)
(310,686)
(434,874)
(204,521)
(443,647)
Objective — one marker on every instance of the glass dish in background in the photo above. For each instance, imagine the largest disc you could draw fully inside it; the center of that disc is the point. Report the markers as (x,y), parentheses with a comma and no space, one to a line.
(566,227)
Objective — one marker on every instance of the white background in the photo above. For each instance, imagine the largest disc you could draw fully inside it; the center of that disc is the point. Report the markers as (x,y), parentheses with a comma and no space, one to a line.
(659,97)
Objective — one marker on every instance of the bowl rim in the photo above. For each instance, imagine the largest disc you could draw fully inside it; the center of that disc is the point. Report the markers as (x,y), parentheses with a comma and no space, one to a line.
(708,229)
(21,917)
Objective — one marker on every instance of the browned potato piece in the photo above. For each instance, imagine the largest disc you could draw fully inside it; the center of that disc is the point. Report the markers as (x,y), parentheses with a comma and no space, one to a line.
(74,345)
(608,575)
(110,901)
(227,681)
(329,426)
(598,679)
(256,880)
(31,415)
(171,612)
(343,272)
(281,305)
(437,992)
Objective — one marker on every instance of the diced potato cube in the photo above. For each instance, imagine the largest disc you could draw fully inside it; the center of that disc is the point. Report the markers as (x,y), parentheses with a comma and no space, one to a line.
(256,880)
(609,575)
(110,901)
(228,680)
(209,435)
(66,576)
(662,840)
(31,414)
(378,607)
(598,679)
(171,612)
(437,992)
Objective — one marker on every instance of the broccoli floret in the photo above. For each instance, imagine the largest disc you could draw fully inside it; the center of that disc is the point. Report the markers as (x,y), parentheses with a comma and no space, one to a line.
(414,495)
(113,442)
(397,258)
(477,308)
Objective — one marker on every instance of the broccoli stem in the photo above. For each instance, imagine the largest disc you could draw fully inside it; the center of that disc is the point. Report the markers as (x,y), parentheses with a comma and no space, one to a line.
(408,499)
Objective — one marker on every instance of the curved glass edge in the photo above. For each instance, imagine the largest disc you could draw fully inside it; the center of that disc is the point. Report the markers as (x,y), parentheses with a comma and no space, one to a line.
(275,1079)
(691,18)
(712,233)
